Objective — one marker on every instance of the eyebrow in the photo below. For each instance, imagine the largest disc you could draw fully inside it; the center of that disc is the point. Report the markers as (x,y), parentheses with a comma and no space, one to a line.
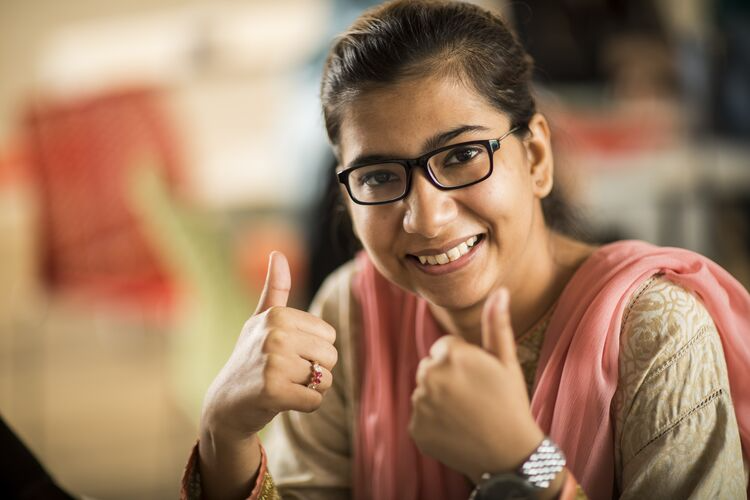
(433,142)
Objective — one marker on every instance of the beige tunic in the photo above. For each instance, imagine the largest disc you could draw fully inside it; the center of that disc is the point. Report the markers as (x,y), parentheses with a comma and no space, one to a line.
(675,431)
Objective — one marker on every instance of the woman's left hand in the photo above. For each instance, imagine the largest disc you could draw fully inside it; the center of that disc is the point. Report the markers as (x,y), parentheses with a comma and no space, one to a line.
(470,409)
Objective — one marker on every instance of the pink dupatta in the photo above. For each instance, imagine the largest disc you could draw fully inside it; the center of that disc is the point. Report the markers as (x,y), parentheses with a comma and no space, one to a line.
(571,400)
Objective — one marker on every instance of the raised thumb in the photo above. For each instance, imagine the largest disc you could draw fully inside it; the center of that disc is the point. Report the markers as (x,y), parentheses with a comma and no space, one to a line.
(497,332)
(278,283)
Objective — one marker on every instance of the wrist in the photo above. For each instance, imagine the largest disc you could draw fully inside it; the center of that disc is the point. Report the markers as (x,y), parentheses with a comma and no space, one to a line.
(555,487)
(229,466)
(219,439)
(502,461)
(540,476)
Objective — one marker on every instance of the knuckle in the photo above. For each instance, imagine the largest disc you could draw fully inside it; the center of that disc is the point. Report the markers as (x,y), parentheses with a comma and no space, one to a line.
(331,333)
(415,428)
(333,356)
(422,370)
(274,314)
(312,402)
(451,350)
(417,399)
(440,349)
(276,341)
(273,363)
(432,386)
(460,354)
(440,343)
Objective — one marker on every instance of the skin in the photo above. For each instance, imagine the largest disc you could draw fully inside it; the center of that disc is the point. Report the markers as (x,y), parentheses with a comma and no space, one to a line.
(470,407)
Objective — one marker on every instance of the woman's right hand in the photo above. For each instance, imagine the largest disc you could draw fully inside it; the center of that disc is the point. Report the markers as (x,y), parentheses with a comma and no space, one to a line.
(271,364)
(268,372)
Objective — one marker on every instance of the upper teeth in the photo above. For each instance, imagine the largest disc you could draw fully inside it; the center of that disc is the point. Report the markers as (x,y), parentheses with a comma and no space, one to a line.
(450,255)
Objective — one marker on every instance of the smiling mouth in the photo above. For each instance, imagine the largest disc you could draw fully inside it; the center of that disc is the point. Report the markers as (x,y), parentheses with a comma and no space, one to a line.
(450,255)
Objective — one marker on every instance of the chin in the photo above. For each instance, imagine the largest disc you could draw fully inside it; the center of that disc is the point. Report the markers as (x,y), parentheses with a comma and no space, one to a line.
(454,300)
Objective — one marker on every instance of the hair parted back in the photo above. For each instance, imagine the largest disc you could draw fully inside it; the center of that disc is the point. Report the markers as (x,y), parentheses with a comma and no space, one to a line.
(405,39)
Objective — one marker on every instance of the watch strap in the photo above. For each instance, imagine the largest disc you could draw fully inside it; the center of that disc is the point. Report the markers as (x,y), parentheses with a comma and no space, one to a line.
(543,465)
(537,471)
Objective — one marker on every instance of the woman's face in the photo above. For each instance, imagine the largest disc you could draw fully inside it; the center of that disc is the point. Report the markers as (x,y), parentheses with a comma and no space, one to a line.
(502,214)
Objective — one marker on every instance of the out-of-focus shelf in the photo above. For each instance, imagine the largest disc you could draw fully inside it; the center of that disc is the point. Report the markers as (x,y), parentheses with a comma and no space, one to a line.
(664,196)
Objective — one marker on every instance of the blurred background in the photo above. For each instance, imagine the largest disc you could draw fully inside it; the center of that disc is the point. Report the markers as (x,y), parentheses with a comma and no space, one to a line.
(153,152)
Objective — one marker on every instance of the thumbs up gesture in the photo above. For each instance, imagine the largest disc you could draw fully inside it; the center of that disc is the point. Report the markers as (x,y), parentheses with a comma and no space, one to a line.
(470,409)
(271,367)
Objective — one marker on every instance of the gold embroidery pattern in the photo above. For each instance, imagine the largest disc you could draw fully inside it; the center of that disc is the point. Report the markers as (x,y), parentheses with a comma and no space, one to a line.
(190,488)
(191,482)
(528,347)
(268,489)
(676,433)
(194,491)
(580,494)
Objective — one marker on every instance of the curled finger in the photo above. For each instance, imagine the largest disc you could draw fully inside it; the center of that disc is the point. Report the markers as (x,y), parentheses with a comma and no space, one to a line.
(312,375)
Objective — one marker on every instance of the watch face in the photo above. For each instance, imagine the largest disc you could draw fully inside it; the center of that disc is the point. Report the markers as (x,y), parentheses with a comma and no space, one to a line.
(506,487)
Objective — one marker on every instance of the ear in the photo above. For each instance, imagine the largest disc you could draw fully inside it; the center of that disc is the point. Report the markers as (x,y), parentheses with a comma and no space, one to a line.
(538,146)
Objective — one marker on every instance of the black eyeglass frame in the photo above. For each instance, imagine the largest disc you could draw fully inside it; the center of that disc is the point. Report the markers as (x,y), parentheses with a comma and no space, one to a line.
(492,145)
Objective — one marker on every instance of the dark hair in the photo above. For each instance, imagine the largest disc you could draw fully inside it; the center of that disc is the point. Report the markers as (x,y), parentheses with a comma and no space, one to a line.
(410,38)
(405,39)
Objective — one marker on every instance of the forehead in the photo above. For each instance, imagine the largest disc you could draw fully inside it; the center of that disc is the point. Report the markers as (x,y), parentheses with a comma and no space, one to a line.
(397,119)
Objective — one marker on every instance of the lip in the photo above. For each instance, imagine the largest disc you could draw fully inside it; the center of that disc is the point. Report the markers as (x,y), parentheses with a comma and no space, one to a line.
(444,248)
(450,267)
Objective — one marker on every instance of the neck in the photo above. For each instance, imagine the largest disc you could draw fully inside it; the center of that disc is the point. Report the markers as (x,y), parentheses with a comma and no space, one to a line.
(534,287)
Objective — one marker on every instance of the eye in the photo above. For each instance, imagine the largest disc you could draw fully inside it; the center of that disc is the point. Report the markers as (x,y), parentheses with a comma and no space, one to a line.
(378,178)
(462,155)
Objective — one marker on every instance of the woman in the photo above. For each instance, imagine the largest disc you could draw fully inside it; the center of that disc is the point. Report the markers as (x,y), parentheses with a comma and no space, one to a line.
(469,340)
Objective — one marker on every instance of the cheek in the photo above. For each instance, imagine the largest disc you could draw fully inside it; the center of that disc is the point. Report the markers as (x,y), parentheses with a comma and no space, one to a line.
(505,204)
(499,200)
(376,228)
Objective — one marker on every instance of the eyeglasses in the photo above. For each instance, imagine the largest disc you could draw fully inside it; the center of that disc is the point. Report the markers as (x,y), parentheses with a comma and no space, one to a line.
(450,167)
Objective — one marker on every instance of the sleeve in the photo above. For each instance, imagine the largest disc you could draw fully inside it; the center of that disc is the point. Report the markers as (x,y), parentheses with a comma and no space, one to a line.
(309,454)
(676,433)
(190,487)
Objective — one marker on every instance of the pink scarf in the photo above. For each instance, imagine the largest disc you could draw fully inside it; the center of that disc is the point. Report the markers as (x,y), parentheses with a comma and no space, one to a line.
(398,331)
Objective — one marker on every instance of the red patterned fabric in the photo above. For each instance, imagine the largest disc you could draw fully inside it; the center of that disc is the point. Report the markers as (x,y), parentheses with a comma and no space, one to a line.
(82,154)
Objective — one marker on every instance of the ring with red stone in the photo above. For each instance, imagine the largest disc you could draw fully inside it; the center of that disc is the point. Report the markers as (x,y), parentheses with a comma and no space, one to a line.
(316,375)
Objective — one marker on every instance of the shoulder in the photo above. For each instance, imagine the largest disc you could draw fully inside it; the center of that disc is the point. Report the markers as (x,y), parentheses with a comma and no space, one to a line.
(673,400)
(671,363)
(661,318)
(333,300)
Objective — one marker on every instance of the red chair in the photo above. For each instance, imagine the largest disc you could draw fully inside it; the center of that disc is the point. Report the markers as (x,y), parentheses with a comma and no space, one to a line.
(81,154)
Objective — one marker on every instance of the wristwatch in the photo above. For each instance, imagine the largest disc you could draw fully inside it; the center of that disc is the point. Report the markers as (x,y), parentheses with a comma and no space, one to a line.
(533,476)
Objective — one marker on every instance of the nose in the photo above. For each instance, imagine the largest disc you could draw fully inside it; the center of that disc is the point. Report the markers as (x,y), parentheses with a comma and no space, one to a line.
(428,209)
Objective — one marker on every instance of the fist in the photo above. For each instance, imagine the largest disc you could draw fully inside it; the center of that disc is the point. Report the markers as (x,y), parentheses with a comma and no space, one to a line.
(270,369)
(470,409)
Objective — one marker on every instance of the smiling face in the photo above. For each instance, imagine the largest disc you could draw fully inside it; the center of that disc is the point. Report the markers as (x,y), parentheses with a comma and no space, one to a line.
(479,237)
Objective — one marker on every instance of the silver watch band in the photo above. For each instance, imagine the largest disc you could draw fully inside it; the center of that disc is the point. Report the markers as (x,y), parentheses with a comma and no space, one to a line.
(543,465)
(536,473)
